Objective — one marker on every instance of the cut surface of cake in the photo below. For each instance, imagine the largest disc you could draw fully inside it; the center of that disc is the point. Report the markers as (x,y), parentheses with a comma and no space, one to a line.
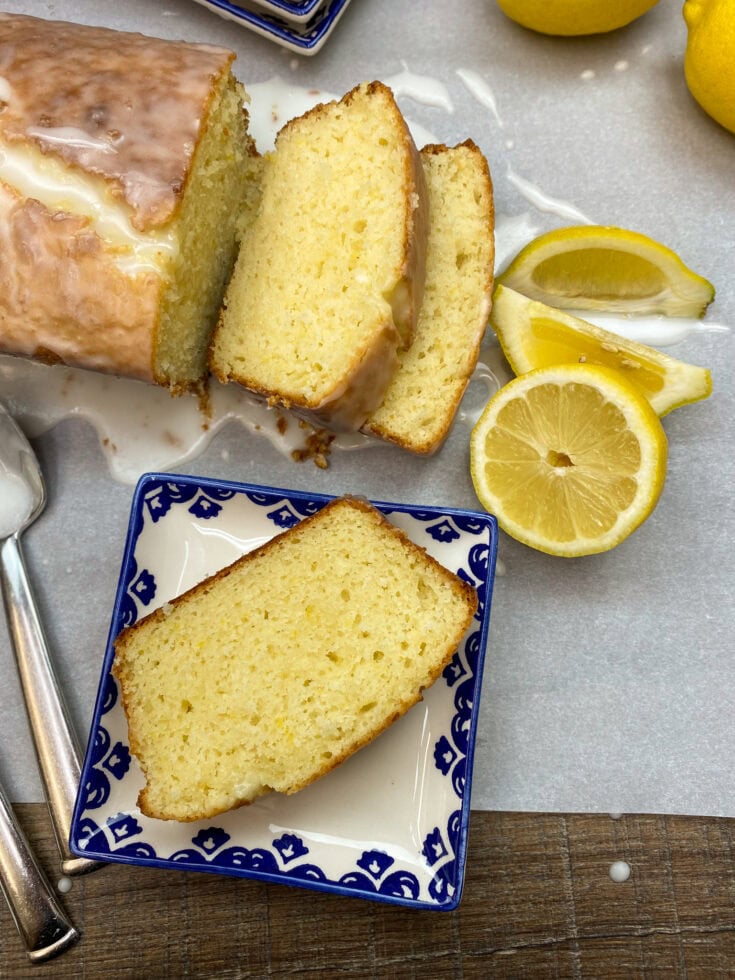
(424,394)
(124,164)
(277,668)
(329,280)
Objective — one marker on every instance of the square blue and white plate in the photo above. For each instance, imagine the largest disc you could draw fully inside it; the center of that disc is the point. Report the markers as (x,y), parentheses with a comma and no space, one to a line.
(274,19)
(296,12)
(391,822)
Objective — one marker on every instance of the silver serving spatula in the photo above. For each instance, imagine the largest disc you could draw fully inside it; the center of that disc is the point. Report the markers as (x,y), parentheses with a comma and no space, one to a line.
(22,499)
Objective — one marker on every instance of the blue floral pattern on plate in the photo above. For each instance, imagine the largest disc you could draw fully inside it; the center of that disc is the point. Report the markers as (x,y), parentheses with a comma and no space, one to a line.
(316,21)
(363,830)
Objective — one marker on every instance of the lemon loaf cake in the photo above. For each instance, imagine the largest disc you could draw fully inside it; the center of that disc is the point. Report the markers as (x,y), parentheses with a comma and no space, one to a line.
(328,283)
(423,396)
(274,670)
(125,164)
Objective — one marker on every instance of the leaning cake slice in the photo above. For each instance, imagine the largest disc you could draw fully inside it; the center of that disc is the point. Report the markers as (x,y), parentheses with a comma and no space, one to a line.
(328,283)
(422,399)
(274,670)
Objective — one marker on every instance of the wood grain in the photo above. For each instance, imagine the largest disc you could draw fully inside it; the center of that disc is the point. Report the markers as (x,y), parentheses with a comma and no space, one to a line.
(538,902)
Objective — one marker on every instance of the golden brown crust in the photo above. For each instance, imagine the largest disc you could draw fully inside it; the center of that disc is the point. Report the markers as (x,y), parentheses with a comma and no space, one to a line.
(88,313)
(134,127)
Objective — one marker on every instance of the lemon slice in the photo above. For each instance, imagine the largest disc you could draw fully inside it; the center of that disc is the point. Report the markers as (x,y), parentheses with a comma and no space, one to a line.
(571,459)
(534,335)
(594,268)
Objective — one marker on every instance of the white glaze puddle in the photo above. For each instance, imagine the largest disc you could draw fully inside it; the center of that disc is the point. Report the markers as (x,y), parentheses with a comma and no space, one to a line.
(140,427)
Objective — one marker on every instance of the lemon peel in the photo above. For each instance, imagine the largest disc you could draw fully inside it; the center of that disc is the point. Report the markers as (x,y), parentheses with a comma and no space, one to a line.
(571,459)
(534,335)
(596,267)
(574,17)
(709,57)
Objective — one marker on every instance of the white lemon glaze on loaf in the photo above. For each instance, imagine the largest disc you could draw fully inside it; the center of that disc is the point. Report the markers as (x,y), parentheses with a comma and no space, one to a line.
(329,280)
(274,670)
(425,392)
(124,163)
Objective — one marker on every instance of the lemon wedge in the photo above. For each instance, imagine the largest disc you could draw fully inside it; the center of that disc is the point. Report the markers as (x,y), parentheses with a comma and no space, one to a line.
(534,335)
(590,267)
(571,459)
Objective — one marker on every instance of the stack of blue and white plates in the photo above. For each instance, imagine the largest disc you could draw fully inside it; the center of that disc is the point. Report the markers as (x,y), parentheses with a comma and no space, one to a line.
(299,25)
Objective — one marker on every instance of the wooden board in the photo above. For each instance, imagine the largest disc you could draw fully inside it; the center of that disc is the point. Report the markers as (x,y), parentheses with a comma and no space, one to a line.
(538,902)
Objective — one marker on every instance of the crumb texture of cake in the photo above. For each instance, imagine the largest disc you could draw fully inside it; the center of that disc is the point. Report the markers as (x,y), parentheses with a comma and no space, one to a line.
(125,166)
(424,394)
(276,669)
(329,280)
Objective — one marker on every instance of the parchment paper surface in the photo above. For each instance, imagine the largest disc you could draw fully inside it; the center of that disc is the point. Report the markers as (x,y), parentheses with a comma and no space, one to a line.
(610,681)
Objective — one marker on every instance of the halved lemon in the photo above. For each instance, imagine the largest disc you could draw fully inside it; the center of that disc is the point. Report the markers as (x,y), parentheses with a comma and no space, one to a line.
(534,335)
(570,459)
(590,267)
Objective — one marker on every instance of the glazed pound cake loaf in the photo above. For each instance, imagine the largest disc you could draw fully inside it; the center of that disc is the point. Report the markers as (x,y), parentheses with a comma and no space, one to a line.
(423,397)
(124,165)
(279,667)
(328,283)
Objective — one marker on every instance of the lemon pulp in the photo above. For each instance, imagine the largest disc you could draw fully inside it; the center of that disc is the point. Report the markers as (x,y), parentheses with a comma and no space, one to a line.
(594,267)
(534,335)
(570,459)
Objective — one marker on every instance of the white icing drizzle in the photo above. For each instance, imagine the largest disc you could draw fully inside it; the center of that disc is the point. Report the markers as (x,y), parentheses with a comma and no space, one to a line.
(544,202)
(70,136)
(59,188)
(420,88)
(512,232)
(6,92)
(656,331)
(477,86)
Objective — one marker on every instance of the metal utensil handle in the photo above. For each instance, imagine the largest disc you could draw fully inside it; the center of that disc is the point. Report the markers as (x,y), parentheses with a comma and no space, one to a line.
(41,922)
(56,745)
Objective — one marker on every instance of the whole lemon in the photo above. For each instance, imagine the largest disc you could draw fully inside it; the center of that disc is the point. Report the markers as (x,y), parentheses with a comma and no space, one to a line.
(571,17)
(709,62)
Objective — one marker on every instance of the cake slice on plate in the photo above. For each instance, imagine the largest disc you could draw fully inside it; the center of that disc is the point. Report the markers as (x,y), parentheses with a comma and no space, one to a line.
(277,668)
